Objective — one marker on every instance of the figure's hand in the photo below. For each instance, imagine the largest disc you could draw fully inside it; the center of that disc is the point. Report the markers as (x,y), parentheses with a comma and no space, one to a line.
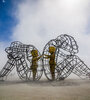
(45,57)
(41,55)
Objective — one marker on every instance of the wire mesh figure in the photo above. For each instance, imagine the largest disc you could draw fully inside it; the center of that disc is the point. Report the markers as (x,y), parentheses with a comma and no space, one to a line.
(65,61)
(19,55)
(65,57)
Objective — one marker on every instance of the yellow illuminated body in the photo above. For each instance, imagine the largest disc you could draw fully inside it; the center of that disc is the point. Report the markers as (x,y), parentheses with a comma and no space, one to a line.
(34,65)
(52,62)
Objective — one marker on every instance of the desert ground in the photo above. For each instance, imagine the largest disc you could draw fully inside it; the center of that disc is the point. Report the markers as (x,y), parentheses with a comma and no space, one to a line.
(68,89)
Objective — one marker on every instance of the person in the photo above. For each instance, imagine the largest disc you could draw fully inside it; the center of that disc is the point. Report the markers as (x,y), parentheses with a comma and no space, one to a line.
(52,62)
(34,64)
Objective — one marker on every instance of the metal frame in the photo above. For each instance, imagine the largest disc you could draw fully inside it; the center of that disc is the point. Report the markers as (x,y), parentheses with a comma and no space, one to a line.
(66,59)
(19,55)
(67,62)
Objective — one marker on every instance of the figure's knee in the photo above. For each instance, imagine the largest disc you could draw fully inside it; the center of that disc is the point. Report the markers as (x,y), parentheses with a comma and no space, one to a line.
(34,71)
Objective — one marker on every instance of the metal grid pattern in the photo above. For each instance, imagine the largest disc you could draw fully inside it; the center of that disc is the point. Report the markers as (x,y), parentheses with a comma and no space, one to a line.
(66,59)
(19,55)
(67,62)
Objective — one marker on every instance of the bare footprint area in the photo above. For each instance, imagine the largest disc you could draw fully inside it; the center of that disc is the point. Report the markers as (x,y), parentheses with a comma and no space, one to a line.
(69,89)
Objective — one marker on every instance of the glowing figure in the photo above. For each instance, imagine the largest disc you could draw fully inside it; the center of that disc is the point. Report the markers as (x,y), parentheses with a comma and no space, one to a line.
(34,65)
(52,62)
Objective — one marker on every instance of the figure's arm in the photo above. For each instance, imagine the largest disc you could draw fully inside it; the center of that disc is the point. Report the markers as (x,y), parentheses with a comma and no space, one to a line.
(47,56)
(37,58)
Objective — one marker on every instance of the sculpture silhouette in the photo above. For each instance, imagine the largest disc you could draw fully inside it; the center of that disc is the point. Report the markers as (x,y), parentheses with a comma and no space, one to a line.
(59,61)
(67,61)
(19,56)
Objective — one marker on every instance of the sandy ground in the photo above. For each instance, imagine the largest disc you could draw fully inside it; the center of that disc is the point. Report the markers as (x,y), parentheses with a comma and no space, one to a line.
(69,89)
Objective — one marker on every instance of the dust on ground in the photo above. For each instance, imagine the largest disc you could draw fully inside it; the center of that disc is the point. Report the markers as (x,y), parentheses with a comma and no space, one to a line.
(68,89)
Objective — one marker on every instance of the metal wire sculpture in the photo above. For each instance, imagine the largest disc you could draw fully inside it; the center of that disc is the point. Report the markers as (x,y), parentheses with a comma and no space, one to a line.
(19,55)
(66,60)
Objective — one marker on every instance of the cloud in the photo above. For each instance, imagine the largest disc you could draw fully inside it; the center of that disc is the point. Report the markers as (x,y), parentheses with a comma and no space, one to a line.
(42,20)
(3,56)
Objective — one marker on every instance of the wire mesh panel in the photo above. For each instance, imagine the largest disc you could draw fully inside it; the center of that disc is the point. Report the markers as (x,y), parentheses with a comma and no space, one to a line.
(9,66)
(66,49)
(65,67)
(81,68)
(67,43)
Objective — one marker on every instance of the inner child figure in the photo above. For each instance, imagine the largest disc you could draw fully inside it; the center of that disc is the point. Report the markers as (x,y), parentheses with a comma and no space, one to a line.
(52,62)
(34,64)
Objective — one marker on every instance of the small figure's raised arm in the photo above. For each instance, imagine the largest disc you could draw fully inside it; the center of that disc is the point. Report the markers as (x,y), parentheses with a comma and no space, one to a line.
(47,56)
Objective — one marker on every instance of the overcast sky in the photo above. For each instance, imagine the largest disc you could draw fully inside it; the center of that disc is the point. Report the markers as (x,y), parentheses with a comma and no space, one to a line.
(38,21)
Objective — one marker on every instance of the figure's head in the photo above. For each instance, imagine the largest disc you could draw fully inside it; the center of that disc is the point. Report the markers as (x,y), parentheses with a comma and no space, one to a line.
(34,53)
(52,49)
